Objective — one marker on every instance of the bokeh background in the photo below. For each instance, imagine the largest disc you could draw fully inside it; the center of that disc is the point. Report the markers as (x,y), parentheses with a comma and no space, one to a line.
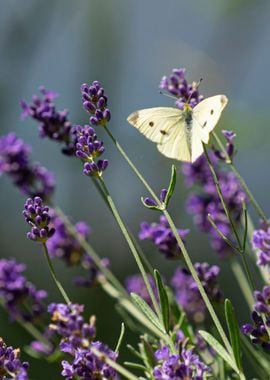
(128,46)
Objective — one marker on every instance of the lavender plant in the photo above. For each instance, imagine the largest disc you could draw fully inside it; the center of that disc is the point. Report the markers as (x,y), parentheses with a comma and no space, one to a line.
(169,314)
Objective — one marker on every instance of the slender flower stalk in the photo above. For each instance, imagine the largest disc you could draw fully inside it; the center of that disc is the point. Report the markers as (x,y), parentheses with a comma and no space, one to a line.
(179,241)
(131,245)
(241,247)
(245,187)
(57,282)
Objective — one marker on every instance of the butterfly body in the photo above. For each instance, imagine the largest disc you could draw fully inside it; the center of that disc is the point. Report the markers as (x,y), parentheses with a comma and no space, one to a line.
(180,134)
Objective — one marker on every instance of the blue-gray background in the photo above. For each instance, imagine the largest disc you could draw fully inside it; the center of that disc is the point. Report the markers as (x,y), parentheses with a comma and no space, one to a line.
(128,46)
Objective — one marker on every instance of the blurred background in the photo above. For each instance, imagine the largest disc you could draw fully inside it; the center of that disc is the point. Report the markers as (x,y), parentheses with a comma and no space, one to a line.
(127,46)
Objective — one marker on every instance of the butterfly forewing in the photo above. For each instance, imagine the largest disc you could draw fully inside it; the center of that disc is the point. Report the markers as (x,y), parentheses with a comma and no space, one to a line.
(156,123)
(207,113)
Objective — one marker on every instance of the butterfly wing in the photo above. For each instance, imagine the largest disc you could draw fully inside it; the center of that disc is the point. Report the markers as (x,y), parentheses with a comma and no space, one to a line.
(206,115)
(156,122)
(177,145)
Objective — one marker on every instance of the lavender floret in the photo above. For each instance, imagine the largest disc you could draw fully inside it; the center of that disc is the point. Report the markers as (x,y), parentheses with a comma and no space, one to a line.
(95,102)
(11,366)
(38,217)
(161,235)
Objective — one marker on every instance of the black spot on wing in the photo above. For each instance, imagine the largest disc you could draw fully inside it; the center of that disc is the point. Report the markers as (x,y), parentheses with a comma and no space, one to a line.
(204,124)
(163,132)
(151,123)
(211,112)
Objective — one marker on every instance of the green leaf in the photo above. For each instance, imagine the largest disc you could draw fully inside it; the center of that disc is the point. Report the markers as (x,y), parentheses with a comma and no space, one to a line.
(147,353)
(220,350)
(234,332)
(164,301)
(148,312)
(121,336)
(171,185)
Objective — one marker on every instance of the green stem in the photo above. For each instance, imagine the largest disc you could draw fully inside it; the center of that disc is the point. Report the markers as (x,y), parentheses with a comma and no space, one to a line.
(216,181)
(120,369)
(133,167)
(131,246)
(57,283)
(247,270)
(180,244)
(198,283)
(241,180)
(242,282)
(92,253)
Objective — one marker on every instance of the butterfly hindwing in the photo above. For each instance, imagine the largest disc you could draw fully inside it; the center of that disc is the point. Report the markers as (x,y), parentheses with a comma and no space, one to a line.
(156,122)
(177,145)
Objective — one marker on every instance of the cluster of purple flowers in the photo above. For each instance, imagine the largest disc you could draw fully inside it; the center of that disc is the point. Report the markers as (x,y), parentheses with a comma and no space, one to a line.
(77,340)
(136,284)
(52,123)
(64,246)
(31,179)
(187,293)
(88,148)
(161,235)
(95,102)
(177,85)
(184,365)
(20,297)
(37,216)
(258,331)
(261,243)
(11,366)
(206,202)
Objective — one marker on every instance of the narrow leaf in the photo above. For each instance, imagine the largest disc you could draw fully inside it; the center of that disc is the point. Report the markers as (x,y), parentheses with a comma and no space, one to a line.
(148,312)
(120,339)
(220,350)
(164,301)
(234,332)
(171,185)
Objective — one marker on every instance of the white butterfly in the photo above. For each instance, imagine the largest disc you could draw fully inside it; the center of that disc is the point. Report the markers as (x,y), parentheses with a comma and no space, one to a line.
(180,134)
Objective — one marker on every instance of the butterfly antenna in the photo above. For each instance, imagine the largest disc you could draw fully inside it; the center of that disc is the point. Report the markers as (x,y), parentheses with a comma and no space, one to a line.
(169,96)
(195,86)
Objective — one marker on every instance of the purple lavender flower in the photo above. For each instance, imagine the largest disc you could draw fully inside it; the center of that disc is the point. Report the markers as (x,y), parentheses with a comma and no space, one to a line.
(187,293)
(261,243)
(149,202)
(63,245)
(93,272)
(257,331)
(135,284)
(39,219)
(88,148)
(52,123)
(230,150)
(161,235)
(32,179)
(21,299)
(207,202)
(183,366)
(177,85)
(77,340)
(11,366)
(95,102)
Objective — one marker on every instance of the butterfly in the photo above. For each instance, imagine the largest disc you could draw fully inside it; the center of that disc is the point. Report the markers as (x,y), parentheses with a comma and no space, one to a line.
(180,134)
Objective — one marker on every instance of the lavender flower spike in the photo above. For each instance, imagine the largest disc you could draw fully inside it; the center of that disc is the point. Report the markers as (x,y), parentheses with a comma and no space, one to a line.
(11,366)
(177,85)
(31,179)
(261,243)
(161,235)
(88,148)
(52,123)
(38,217)
(95,102)
(20,297)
